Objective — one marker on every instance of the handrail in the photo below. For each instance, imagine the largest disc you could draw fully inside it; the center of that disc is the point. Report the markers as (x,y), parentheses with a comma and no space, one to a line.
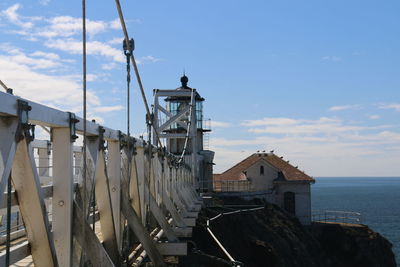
(337,216)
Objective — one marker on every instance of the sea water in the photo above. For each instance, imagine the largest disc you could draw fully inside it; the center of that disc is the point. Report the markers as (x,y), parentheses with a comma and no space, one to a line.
(376,198)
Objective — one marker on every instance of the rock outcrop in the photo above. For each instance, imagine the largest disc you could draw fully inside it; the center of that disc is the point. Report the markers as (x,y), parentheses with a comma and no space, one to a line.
(271,237)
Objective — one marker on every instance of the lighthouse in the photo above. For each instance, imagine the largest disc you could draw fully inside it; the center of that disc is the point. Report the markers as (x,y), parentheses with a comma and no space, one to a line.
(178,120)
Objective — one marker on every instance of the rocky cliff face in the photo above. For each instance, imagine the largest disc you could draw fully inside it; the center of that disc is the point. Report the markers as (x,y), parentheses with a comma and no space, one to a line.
(353,245)
(271,237)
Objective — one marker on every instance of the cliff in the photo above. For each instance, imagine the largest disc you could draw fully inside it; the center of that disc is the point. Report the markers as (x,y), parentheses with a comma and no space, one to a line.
(271,237)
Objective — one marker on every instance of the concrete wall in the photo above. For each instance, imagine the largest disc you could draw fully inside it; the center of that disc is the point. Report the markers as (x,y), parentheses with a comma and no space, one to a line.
(261,182)
(302,199)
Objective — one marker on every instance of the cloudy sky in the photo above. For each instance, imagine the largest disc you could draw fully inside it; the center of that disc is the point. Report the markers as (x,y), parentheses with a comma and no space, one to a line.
(316,81)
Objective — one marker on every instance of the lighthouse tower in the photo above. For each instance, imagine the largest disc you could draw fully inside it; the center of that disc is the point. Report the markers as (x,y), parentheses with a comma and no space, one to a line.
(180,123)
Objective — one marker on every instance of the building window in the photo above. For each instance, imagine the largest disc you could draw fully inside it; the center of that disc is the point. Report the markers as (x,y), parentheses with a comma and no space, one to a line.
(261,170)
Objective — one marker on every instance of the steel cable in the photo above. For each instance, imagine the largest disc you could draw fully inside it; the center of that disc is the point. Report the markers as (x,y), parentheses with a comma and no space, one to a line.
(137,74)
(84,116)
(3,85)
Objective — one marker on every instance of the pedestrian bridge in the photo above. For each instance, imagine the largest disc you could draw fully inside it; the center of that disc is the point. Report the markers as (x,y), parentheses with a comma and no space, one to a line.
(114,202)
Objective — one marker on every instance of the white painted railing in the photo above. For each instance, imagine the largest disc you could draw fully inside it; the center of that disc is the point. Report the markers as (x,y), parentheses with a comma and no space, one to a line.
(130,181)
(335,216)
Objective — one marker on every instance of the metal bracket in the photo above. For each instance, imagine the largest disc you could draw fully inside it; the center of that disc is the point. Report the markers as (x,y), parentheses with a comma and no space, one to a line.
(24,128)
(48,147)
(128,50)
(125,140)
(72,126)
(102,141)
(149,119)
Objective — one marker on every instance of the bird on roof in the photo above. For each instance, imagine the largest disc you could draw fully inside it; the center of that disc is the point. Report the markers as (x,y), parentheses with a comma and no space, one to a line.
(258,151)
(272,151)
(281,157)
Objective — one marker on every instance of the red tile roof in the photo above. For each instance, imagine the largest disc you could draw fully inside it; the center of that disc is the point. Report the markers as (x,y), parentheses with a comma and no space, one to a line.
(289,172)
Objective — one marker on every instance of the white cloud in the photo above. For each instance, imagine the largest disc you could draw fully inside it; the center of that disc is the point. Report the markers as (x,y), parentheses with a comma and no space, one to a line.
(51,56)
(108,108)
(318,156)
(220,124)
(344,107)
(308,128)
(374,117)
(269,121)
(38,61)
(44,2)
(299,126)
(323,147)
(67,26)
(115,24)
(395,106)
(93,48)
(12,15)
(332,58)
(115,41)
(53,27)
(55,90)
(23,74)
(109,66)
(147,59)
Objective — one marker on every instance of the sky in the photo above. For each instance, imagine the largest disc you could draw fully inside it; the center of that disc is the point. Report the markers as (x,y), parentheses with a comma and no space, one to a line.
(316,81)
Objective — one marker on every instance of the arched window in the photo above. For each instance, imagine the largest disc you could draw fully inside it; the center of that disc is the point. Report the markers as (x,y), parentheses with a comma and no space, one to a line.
(261,170)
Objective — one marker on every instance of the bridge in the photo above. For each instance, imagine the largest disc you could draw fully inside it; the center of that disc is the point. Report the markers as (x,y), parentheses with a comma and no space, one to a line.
(115,201)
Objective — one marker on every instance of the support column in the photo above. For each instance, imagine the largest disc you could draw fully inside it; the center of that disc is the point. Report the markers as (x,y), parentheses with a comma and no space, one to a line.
(114,174)
(62,195)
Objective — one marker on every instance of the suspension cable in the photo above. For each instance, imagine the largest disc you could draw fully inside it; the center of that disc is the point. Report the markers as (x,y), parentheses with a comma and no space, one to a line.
(121,18)
(84,178)
(3,85)
(137,74)
(128,82)
(188,130)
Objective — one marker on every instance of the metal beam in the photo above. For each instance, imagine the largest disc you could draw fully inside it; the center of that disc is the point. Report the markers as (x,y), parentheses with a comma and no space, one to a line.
(169,114)
(46,116)
(161,93)
(173,119)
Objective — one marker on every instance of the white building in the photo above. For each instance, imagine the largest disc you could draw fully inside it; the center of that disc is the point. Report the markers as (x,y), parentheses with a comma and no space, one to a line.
(272,178)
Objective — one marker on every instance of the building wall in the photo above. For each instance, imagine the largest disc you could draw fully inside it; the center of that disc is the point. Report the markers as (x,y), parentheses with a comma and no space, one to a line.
(302,199)
(261,182)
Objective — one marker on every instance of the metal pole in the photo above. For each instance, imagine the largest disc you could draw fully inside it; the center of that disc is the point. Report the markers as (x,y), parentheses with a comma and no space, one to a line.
(8,240)
(84,116)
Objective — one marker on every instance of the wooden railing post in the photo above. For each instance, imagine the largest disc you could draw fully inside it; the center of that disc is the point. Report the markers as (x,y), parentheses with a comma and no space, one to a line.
(62,194)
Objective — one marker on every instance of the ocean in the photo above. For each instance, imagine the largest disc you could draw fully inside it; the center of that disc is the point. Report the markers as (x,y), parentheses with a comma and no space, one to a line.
(376,198)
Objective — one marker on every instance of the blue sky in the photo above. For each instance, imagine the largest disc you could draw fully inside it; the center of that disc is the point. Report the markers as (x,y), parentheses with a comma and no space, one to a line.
(317,81)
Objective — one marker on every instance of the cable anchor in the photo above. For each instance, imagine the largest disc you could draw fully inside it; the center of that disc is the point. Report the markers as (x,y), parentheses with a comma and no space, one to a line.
(72,126)
(102,141)
(24,129)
